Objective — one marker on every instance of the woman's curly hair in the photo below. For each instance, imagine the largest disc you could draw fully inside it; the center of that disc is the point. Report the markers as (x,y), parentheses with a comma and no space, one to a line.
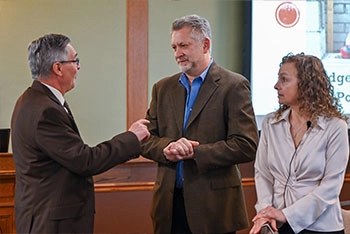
(316,93)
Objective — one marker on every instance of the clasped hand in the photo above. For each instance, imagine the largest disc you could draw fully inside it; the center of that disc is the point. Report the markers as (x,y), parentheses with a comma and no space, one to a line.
(180,150)
(267,215)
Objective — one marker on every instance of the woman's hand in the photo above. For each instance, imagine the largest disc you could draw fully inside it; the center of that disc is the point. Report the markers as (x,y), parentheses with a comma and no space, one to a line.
(267,215)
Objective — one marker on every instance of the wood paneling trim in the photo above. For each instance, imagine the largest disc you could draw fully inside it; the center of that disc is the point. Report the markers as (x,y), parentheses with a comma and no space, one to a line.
(7,174)
(330,10)
(144,186)
(137,60)
(118,187)
(347,178)
(7,204)
(140,160)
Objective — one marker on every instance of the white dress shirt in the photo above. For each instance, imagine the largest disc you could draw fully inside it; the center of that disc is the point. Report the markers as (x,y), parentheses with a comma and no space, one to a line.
(55,92)
(305,181)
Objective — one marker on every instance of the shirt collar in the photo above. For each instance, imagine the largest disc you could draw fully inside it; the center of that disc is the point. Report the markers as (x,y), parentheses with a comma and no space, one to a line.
(321,121)
(183,76)
(55,92)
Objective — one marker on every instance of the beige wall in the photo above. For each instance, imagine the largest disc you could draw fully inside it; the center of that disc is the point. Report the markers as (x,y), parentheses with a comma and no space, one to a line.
(98,32)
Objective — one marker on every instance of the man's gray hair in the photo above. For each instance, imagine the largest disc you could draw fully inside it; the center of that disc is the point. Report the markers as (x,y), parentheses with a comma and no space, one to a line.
(45,51)
(200,26)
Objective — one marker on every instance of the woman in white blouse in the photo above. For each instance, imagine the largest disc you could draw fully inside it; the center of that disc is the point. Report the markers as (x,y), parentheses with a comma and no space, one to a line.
(302,154)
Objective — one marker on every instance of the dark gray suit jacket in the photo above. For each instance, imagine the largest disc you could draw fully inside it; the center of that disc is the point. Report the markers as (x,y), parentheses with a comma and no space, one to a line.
(54,168)
(223,121)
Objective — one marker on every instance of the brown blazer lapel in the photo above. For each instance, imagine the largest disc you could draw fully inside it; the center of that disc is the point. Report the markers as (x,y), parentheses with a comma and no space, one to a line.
(36,85)
(207,90)
(70,114)
(178,96)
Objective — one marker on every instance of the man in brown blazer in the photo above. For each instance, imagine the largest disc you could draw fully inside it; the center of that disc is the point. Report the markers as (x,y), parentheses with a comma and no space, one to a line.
(202,126)
(54,168)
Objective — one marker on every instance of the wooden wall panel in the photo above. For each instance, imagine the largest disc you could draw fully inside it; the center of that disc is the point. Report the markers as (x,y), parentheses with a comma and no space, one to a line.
(123,212)
(7,193)
(137,60)
(119,203)
(123,197)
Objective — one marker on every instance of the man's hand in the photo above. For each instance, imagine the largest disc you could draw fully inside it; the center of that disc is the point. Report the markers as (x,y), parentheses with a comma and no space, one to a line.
(140,129)
(180,150)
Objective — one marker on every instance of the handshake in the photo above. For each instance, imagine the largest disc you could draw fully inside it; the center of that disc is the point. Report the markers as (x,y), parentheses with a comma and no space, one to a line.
(140,129)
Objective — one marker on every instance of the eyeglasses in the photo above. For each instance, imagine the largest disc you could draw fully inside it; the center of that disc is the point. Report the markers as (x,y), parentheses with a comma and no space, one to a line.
(76,61)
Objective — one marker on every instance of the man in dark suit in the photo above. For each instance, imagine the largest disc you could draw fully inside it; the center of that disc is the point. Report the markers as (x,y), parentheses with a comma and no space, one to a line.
(202,126)
(54,168)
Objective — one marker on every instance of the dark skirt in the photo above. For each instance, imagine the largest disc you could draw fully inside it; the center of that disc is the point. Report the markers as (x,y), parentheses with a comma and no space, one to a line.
(286,229)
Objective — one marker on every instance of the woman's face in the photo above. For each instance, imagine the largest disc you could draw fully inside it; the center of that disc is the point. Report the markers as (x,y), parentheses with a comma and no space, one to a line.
(287,84)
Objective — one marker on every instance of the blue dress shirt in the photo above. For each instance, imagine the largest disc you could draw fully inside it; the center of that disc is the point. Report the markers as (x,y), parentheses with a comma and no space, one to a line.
(191,95)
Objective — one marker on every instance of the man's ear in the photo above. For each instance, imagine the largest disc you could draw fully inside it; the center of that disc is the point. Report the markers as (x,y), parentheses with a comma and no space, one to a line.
(56,68)
(206,44)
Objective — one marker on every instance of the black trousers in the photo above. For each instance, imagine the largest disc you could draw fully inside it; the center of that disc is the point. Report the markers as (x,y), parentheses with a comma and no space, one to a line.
(286,229)
(179,222)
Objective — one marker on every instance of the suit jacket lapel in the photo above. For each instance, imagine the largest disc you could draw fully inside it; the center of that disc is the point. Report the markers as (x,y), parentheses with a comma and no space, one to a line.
(43,89)
(207,90)
(70,115)
(178,95)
